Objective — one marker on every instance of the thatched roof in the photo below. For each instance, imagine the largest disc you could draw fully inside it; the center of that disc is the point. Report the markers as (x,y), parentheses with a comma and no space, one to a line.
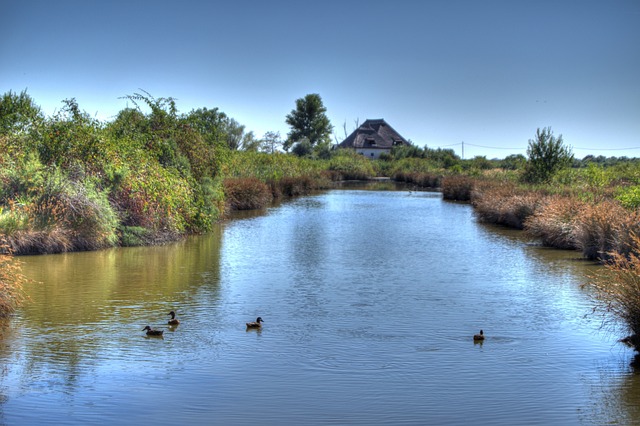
(373,134)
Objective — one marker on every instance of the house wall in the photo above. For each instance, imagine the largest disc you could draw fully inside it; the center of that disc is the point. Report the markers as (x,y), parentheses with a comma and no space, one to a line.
(372,153)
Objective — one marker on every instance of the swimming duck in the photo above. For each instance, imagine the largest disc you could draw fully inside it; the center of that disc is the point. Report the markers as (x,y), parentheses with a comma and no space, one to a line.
(152,332)
(478,337)
(255,324)
(173,320)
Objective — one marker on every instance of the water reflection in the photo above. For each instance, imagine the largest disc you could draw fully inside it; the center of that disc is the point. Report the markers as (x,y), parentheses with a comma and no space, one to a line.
(85,307)
(370,301)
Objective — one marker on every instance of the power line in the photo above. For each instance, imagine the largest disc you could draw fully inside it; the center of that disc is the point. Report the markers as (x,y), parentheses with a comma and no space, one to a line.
(606,149)
(521,148)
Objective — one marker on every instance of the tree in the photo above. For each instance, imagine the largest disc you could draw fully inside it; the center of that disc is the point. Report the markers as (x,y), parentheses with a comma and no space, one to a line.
(18,113)
(308,121)
(270,142)
(547,155)
(513,162)
(210,123)
(250,142)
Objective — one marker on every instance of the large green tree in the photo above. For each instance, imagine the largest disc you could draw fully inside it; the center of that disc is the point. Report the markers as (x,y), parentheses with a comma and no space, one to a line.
(547,155)
(18,113)
(308,122)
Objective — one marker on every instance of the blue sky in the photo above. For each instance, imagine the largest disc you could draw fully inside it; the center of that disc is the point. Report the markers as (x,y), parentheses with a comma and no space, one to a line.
(441,72)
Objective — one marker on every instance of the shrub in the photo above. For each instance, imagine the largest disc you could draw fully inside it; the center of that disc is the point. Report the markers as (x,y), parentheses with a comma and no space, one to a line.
(296,186)
(629,196)
(246,194)
(547,155)
(457,187)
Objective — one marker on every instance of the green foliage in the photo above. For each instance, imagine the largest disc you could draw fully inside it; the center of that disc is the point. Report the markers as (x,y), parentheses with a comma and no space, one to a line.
(629,196)
(303,148)
(480,162)
(270,142)
(399,152)
(308,121)
(442,158)
(69,137)
(513,162)
(351,166)
(547,155)
(209,123)
(131,236)
(18,113)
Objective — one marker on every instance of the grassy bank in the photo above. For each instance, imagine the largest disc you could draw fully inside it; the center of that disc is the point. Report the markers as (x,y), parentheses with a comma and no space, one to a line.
(592,210)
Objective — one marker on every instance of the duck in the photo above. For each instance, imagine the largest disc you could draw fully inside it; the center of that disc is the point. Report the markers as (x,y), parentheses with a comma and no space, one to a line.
(478,337)
(151,332)
(255,324)
(173,320)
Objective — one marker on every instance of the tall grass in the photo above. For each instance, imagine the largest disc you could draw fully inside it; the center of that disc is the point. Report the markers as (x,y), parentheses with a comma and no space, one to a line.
(616,293)
(555,221)
(606,228)
(504,203)
(458,187)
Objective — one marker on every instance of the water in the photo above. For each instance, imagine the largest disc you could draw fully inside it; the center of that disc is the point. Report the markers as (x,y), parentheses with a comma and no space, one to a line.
(370,301)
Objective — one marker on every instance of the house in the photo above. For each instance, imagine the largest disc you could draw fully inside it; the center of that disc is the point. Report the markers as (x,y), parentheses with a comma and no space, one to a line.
(373,138)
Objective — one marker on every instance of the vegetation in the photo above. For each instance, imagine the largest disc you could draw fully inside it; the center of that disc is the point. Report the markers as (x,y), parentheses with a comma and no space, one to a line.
(11,281)
(547,155)
(70,182)
(616,294)
(310,127)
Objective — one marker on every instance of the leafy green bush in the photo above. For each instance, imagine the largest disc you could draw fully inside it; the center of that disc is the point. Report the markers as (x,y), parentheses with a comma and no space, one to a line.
(629,196)
(547,155)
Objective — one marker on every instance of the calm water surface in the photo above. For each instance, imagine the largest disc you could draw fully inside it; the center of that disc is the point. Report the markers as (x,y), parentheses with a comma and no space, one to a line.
(370,301)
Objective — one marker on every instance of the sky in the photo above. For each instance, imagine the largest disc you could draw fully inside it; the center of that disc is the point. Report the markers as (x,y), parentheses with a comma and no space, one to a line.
(478,77)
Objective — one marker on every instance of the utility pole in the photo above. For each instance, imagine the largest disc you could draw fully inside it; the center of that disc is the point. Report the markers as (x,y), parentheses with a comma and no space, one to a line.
(463,150)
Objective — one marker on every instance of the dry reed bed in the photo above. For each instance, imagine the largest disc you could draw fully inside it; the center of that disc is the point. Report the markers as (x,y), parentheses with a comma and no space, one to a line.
(597,227)
(252,193)
(616,293)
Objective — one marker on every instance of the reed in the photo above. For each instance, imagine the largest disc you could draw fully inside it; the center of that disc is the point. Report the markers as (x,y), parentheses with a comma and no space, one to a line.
(616,293)
(605,228)
(504,203)
(555,220)
(457,187)
(351,166)
(423,180)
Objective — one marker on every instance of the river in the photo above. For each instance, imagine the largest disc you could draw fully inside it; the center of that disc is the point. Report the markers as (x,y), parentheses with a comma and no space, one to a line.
(370,299)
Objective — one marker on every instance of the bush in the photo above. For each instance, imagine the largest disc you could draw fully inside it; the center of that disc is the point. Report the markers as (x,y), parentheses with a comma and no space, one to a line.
(246,194)
(457,187)
(547,155)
